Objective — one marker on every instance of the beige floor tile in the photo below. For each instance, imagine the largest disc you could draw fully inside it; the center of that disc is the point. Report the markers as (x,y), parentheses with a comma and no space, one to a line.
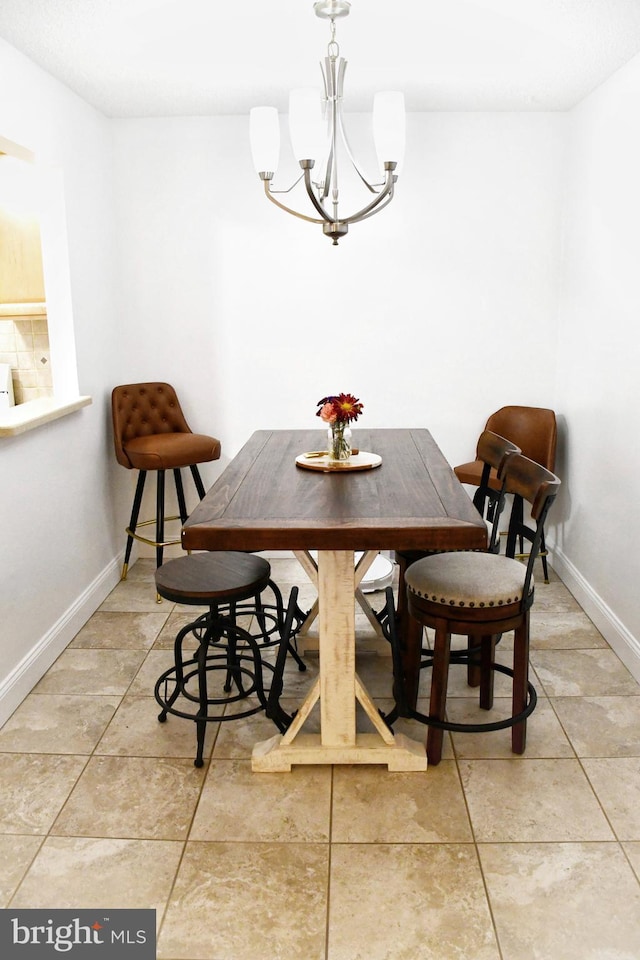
(138,596)
(524,800)
(237,738)
(371,805)
(33,789)
(632,850)
(601,726)
(154,664)
(132,797)
(545,736)
(296,683)
(120,630)
(103,672)
(376,672)
(408,901)
(144,568)
(255,879)
(583,673)
(554,596)
(135,731)
(172,626)
(247,901)
(55,723)
(237,804)
(617,786)
(97,873)
(414,729)
(563,901)
(16,854)
(554,629)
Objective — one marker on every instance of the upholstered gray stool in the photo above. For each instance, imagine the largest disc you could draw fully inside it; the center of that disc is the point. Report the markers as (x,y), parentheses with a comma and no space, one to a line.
(492,452)
(480,596)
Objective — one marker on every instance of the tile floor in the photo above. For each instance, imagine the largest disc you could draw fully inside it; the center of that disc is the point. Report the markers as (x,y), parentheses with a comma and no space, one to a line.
(485,857)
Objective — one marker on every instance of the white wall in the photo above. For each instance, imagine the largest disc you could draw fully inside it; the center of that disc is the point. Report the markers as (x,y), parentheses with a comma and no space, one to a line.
(598,360)
(429,312)
(58,506)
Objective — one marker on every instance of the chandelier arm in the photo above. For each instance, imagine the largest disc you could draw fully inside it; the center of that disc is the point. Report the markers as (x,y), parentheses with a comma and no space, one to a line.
(379,206)
(385,194)
(289,189)
(282,206)
(326,218)
(323,186)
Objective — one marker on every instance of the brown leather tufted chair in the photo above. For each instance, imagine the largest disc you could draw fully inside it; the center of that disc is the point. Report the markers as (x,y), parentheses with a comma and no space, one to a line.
(535,431)
(151,433)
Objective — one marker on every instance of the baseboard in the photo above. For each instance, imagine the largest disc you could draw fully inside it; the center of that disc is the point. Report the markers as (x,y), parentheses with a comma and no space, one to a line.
(621,640)
(23,678)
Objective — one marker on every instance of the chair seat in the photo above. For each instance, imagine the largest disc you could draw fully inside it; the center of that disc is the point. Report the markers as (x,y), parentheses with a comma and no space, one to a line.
(468,580)
(471,473)
(167,451)
(207,578)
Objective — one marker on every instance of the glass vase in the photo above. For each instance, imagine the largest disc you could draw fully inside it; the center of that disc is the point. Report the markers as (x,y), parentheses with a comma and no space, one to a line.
(339,440)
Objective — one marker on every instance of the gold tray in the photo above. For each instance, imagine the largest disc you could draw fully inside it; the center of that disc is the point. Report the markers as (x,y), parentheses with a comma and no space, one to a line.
(357,461)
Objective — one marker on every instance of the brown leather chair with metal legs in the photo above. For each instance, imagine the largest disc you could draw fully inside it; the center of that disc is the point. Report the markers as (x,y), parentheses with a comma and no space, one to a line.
(535,431)
(480,596)
(151,434)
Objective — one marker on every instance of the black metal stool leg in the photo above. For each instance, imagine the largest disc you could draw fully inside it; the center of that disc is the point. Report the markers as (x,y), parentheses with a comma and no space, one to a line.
(182,505)
(201,720)
(178,661)
(273,709)
(197,479)
(234,672)
(159,518)
(297,616)
(133,522)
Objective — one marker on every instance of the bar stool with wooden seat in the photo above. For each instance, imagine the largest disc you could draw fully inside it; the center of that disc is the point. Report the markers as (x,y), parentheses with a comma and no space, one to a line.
(151,433)
(221,581)
(481,596)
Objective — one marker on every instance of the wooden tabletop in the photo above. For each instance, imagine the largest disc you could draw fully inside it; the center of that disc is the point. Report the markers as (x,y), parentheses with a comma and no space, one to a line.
(264,501)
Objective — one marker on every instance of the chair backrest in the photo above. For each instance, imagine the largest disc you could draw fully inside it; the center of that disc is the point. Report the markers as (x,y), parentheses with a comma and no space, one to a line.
(144,410)
(533,429)
(529,481)
(494,452)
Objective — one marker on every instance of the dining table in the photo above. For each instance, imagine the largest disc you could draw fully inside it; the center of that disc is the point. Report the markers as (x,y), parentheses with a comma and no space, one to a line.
(398,492)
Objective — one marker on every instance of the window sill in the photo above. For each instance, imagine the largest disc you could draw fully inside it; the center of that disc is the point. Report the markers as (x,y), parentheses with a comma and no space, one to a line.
(34,413)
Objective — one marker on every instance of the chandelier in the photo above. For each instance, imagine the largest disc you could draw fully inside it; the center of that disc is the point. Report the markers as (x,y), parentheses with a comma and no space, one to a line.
(317,131)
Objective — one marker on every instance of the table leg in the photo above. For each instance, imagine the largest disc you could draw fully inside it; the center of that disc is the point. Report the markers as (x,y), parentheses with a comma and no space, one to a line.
(305,643)
(338,659)
(338,689)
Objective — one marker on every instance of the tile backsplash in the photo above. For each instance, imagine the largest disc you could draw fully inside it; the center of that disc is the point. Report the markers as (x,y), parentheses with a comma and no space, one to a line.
(24,345)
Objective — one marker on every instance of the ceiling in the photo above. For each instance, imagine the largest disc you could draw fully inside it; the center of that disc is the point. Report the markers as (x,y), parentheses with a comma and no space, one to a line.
(150,58)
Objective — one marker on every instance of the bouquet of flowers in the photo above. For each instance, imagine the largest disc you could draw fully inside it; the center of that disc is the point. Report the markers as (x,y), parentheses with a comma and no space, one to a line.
(338,412)
(342,408)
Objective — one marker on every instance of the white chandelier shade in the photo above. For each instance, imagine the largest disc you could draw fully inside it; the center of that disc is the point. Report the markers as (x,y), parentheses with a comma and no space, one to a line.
(264,129)
(316,128)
